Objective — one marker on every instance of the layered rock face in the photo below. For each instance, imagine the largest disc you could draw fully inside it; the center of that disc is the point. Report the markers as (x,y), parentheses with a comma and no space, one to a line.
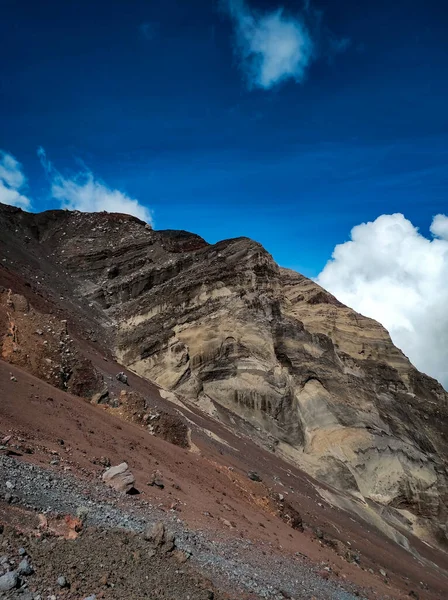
(226,327)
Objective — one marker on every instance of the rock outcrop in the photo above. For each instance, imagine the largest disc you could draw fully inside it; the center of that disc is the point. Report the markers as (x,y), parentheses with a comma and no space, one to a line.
(227,328)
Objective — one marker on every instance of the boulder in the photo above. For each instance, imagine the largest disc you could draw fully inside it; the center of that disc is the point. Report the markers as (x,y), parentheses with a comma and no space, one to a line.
(25,568)
(120,478)
(8,581)
(156,480)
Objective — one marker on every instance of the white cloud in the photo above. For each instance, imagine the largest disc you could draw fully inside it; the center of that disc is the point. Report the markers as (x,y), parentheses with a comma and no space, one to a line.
(85,193)
(439,227)
(272,47)
(12,182)
(392,273)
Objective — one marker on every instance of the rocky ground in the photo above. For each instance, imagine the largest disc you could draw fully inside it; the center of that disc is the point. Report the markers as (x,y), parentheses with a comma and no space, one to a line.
(99,564)
(119,547)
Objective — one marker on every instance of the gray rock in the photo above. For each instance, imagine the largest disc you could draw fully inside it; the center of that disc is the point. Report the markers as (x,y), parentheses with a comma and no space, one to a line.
(254,476)
(22,552)
(122,377)
(8,581)
(62,581)
(25,568)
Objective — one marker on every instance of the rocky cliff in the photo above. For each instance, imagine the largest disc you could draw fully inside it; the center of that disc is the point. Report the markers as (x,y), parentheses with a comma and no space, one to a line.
(248,342)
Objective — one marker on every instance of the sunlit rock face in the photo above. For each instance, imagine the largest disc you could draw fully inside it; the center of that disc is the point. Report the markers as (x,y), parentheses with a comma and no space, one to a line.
(227,328)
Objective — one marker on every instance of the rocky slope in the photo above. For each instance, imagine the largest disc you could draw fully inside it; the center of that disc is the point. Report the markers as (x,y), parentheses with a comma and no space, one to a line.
(242,535)
(260,348)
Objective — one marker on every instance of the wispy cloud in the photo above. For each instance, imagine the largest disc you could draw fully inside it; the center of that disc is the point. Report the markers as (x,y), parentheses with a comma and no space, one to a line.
(12,182)
(392,273)
(274,46)
(86,193)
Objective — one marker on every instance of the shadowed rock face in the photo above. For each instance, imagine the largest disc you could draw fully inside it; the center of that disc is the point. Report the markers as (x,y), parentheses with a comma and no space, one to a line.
(228,329)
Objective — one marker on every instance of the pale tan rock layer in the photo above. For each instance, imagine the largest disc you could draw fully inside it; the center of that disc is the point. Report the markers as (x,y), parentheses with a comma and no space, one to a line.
(225,327)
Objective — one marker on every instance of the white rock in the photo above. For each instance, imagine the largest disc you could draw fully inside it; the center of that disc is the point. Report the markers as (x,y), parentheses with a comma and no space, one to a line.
(120,478)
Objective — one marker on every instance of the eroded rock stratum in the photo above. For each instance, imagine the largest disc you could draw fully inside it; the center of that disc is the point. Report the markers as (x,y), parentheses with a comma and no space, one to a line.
(260,348)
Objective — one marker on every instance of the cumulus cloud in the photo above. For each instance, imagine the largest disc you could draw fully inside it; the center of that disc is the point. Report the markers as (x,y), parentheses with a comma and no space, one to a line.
(392,273)
(439,227)
(272,47)
(12,182)
(85,193)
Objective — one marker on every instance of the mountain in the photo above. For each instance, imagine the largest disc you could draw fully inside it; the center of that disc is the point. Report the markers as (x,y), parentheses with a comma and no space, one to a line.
(261,350)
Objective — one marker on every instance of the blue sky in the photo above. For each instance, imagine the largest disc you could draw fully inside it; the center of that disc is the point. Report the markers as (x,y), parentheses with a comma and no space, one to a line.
(162,100)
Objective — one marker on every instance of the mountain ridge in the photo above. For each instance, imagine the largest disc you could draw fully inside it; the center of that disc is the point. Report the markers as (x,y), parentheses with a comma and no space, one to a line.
(226,328)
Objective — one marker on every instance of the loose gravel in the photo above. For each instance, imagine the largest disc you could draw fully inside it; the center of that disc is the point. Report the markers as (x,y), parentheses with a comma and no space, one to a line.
(236,564)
